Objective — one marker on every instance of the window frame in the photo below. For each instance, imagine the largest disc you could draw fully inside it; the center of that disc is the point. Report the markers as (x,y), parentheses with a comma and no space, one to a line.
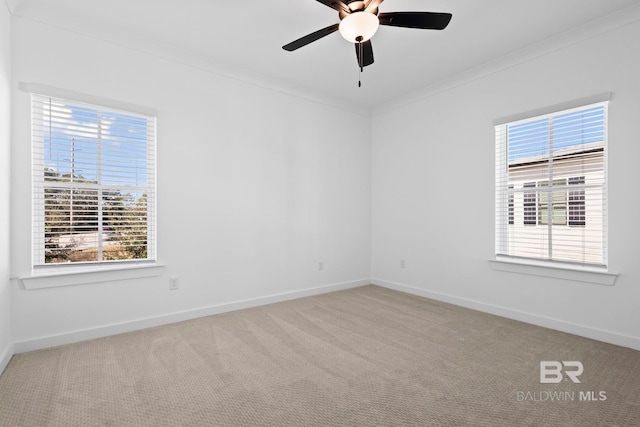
(574,200)
(40,269)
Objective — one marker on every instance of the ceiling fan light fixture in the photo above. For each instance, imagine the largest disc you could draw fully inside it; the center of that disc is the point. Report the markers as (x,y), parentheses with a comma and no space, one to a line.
(359,24)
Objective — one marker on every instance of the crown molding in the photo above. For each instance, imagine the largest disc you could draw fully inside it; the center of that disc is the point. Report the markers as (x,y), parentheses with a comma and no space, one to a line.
(146,45)
(591,29)
(12,4)
(66,21)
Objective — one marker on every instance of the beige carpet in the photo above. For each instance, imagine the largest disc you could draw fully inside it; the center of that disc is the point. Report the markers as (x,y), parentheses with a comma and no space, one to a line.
(363,357)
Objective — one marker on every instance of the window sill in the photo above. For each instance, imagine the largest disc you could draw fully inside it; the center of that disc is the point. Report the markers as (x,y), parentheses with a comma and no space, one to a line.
(579,274)
(69,276)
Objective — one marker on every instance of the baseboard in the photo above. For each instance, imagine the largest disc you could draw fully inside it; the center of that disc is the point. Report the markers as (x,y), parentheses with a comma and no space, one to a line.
(5,357)
(113,329)
(534,319)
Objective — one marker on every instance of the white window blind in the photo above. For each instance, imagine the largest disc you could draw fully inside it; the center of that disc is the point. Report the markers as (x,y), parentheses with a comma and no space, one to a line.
(551,199)
(93,183)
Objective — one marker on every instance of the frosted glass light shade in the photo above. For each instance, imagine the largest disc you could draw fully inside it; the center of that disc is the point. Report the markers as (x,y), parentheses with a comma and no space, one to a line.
(359,24)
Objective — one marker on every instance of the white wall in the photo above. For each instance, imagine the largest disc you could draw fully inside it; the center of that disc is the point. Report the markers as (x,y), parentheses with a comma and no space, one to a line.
(5,138)
(433,189)
(255,187)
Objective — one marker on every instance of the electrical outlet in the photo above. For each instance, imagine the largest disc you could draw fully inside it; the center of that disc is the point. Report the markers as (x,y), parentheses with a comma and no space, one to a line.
(403,264)
(173,284)
(320,266)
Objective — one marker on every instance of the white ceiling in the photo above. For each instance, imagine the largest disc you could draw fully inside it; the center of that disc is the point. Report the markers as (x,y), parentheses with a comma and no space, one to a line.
(247,36)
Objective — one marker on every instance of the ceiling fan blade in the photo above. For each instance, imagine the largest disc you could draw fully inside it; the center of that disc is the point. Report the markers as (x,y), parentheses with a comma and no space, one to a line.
(422,20)
(338,5)
(303,41)
(367,53)
(372,5)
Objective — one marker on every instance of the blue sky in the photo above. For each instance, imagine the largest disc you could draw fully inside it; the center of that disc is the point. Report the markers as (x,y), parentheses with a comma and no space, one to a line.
(533,137)
(72,142)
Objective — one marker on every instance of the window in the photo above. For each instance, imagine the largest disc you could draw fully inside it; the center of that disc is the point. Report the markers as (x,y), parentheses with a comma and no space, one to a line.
(577,203)
(93,183)
(551,186)
(558,209)
(529,205)
(510,201)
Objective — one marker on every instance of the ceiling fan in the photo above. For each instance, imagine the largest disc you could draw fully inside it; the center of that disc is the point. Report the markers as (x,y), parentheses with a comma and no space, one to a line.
(359,20)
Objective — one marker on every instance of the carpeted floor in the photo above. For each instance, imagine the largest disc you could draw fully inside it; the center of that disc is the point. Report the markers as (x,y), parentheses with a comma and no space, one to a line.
(362,357)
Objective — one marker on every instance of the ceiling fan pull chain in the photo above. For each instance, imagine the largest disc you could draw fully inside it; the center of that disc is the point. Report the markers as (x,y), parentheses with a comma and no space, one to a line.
(360,60)
(360,63)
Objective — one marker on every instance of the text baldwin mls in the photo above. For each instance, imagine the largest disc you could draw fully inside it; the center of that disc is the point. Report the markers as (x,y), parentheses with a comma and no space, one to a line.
(551,396)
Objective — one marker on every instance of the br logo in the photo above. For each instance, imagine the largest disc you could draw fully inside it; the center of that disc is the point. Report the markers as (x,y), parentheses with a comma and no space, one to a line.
(551,371)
